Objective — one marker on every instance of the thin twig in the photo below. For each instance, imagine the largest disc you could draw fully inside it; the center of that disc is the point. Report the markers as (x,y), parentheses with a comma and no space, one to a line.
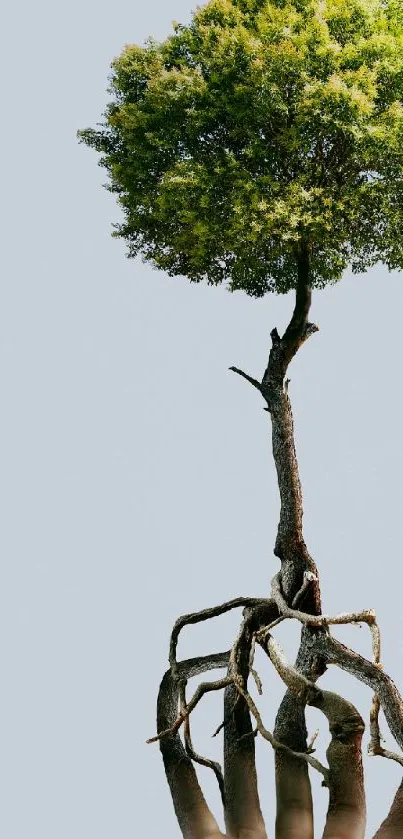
(272,740)
(308,578)
(374,745)
(202,761)
(258,681)
(334,652)
(253,733)
(296,682)
(312,740)
(204,615)
(248,378)
(220,728)
(205,687)
(365,616)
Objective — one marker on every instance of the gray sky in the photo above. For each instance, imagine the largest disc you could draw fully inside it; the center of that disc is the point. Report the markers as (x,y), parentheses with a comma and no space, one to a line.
(136,476)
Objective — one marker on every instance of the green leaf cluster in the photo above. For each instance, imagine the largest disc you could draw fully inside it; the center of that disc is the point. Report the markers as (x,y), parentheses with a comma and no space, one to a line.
(262,127)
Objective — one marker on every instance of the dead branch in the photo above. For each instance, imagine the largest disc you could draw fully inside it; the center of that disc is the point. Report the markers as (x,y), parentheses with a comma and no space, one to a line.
(374,747)
(276,744)
(334,652)
(305,690)
(205,687)
(207,614)
(248,378)
(190,751)
(365,616)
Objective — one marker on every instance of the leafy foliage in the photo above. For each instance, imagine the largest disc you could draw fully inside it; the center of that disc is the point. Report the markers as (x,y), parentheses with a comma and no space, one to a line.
(263,126)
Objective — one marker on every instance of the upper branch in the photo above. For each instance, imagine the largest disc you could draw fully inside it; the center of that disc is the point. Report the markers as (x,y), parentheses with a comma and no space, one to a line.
(298,327)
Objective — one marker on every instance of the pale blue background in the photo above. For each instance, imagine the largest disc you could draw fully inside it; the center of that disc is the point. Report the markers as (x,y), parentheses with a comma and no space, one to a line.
(136,479)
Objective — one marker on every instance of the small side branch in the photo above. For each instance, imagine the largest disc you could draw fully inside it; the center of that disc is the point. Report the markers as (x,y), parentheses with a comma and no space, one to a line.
(305,690)
(204,615)
(248,378)
(374,747)
(190,751)
(304,756)
(365,616)
(205,687)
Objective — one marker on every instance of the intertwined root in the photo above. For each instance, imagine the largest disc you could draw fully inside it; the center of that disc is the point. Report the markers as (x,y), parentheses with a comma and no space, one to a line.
(238,784)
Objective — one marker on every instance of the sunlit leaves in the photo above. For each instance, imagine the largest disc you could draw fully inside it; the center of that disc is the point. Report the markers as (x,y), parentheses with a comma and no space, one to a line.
(261,124)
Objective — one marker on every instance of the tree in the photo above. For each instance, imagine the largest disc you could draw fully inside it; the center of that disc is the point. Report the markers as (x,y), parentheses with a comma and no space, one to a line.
(260,147)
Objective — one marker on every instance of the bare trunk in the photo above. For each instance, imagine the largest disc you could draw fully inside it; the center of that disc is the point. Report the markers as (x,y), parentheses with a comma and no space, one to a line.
(294,799)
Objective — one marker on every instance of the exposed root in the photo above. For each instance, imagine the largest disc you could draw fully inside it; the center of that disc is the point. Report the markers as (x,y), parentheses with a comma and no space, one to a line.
(202,761)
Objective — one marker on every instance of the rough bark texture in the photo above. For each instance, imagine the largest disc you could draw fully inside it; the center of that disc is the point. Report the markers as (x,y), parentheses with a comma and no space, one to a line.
(243,816)
(194,816)
(290,546)
(294,801)
(293,788)
(344,778)
(391,702)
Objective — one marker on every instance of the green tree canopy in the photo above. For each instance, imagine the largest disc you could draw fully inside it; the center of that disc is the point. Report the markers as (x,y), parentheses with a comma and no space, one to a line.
(261,129)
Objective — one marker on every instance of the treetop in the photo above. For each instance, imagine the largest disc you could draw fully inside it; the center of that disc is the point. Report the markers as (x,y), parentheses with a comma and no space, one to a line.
(262,129)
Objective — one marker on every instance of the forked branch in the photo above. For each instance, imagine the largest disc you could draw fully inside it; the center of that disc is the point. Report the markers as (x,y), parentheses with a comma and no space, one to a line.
(205,687)
(205,615)
(364,616)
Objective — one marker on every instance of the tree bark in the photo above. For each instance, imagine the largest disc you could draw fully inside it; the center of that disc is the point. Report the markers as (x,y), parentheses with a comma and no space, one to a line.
(192,812)
(243,816)
(294,799)
(346,815)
